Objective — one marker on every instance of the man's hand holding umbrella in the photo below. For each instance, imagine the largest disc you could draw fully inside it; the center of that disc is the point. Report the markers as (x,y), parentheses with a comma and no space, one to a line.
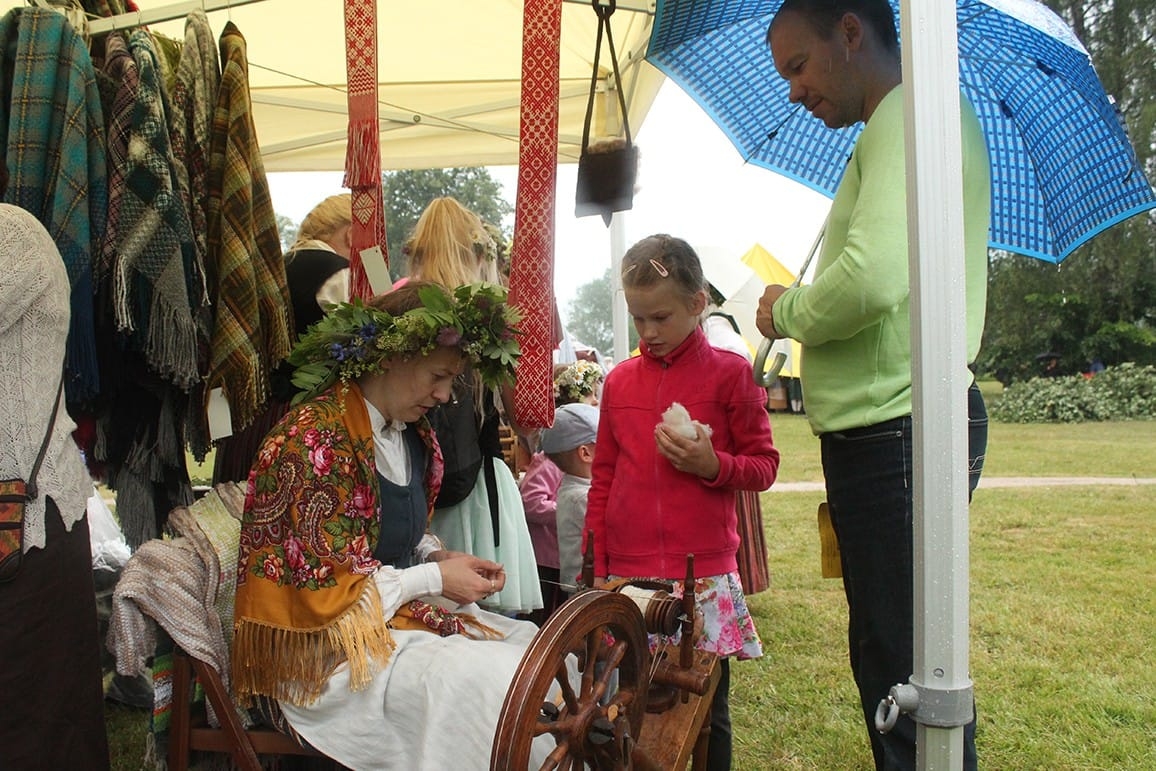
(763,318)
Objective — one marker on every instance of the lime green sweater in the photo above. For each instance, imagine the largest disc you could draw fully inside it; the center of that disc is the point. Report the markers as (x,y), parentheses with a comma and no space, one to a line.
(853,321)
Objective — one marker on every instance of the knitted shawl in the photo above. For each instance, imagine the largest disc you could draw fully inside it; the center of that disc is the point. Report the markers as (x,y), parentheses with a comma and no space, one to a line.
(306,599)
(251,333)
(52,134)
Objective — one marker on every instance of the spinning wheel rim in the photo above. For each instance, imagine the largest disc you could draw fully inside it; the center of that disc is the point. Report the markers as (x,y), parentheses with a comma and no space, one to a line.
(581,619)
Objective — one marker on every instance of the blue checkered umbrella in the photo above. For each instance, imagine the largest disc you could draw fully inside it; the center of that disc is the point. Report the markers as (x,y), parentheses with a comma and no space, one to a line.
(1063,168)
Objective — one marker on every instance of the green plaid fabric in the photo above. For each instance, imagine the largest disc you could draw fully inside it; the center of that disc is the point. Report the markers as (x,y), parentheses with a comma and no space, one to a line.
(251,333)
(52,136)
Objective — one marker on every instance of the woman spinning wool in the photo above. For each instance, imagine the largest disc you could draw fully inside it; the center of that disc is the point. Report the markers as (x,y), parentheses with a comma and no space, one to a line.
(349,616)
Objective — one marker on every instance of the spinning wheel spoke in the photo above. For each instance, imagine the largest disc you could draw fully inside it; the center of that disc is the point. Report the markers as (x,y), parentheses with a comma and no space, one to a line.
(559,727)
(593,645)
(568,696)
(608,669)
(559,758)
(542,698)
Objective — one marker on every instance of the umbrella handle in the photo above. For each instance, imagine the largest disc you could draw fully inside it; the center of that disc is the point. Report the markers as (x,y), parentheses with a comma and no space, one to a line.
(767,378)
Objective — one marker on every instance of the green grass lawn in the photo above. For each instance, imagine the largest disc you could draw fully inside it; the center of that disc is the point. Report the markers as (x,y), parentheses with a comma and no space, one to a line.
(1063,604)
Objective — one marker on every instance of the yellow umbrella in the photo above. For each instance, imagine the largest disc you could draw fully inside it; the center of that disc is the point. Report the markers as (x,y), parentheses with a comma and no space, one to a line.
(771,271)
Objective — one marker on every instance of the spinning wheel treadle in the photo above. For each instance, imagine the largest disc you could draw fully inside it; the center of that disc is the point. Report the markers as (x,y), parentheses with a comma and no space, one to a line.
(587,733)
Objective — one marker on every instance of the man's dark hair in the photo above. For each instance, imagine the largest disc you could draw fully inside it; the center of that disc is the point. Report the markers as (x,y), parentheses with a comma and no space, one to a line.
(823,15)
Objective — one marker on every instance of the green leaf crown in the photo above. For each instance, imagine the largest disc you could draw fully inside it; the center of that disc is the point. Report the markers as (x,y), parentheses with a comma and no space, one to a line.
(354,339)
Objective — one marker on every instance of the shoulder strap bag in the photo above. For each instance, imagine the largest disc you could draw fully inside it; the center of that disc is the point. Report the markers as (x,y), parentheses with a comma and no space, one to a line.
(606,171)
(14,496)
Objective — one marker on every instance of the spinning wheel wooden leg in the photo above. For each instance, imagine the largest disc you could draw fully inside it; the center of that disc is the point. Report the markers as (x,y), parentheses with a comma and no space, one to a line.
(595,724)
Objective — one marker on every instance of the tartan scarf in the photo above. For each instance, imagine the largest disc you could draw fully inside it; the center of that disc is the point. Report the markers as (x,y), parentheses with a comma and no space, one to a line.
(52,136)
(151,242)
(253,316)
(198,77)
(306,600)
(194,93)
(119,85)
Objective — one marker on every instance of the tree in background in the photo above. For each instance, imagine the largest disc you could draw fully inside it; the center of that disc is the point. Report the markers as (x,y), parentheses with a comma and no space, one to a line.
(287,231)
(406,193)
(1100,303)
(590,317)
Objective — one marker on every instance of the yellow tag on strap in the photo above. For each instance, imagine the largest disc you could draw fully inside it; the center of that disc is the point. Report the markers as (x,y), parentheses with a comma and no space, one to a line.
(829,558)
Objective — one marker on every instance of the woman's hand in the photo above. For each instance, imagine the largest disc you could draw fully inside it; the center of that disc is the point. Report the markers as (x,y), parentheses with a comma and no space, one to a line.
(694,456)
(466,578)
(444,554)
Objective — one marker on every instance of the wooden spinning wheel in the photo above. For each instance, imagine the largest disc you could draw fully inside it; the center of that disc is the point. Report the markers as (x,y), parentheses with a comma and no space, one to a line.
(597,724)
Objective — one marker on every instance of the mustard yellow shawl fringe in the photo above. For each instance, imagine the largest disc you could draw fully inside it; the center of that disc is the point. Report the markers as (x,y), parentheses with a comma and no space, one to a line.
(293,665)
(306,600)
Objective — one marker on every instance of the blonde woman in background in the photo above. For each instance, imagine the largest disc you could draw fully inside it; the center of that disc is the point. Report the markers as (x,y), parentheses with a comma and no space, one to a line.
(317,271)
(317,265)
(479,510)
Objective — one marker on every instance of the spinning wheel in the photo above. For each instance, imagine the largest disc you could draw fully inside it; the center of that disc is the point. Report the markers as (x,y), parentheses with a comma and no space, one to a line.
(596,725)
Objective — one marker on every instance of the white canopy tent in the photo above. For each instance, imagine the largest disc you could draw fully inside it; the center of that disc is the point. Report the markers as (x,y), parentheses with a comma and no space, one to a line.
(449,76)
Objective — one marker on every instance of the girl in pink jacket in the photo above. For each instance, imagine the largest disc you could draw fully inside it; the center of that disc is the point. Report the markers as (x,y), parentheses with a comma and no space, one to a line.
(662,490)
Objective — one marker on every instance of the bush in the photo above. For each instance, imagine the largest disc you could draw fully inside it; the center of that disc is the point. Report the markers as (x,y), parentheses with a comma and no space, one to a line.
(1125,392)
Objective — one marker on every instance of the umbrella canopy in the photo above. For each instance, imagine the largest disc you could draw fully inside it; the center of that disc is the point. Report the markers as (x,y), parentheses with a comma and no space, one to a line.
(1063,168)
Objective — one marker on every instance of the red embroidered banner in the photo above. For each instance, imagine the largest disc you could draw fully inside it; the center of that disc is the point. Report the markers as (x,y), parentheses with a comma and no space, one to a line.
(363,153)
(532,261)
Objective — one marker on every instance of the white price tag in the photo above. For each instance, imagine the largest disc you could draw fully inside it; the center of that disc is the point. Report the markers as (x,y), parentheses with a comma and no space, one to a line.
(373,259)
(220,418)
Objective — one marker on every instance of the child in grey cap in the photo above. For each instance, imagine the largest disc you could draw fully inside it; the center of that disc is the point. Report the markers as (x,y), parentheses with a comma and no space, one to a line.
(569,443)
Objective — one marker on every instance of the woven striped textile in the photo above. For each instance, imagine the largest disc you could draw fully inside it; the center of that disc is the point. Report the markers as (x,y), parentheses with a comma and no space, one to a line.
(532,265)
(363,152)
(52,137)
(251,333)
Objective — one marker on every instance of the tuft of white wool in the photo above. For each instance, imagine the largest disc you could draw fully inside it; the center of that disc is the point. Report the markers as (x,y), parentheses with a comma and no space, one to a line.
(677,419)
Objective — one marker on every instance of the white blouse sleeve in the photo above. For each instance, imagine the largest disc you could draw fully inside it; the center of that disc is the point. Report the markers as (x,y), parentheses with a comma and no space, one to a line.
(397,587)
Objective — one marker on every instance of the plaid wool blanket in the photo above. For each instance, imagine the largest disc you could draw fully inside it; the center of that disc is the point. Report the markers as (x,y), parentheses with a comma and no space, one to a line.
(251,332)
(52,137)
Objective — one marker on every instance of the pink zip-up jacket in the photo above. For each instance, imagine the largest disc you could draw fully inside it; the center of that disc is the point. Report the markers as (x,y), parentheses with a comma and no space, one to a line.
(539,489)
(646,516)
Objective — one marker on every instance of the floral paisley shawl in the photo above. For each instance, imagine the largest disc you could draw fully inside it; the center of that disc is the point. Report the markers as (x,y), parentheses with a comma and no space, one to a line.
(306,601)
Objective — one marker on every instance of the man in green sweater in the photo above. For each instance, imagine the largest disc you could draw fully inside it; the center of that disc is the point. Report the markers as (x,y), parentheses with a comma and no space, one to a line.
(841,58)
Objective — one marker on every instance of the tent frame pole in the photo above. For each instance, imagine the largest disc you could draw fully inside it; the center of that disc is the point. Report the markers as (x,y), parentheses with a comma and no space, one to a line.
(157,15)
(940,686)
(181,10)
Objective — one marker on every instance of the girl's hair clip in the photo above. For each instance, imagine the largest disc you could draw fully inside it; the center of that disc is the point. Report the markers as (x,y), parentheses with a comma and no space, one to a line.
(659,268)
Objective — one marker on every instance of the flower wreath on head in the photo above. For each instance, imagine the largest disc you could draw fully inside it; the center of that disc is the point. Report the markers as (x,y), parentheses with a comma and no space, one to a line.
(577,381)
(354,339)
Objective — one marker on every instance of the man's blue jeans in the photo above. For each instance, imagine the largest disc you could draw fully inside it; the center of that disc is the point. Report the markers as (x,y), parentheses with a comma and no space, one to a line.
(868,472)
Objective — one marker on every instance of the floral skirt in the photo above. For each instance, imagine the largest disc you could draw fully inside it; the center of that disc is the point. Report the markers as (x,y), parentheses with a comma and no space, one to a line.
(727,626)
(467,527)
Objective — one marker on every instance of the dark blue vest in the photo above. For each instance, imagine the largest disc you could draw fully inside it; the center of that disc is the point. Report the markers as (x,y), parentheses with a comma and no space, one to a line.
(403,508)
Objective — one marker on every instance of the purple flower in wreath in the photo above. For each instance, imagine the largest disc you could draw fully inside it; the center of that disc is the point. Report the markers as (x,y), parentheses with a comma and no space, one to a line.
(448,337)
(337,351)
(367,331)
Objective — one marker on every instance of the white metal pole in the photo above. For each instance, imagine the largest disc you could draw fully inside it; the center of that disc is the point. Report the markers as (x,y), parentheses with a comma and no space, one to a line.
(617,298)
(939,351)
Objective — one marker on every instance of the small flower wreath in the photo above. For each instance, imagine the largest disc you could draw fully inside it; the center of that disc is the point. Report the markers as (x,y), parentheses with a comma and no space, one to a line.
(354,339)
(577,381)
